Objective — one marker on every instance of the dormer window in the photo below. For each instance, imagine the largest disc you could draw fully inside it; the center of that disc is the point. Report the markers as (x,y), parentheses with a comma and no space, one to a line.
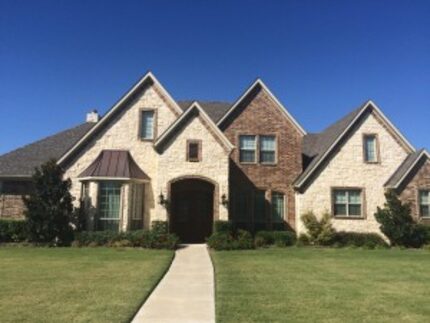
(194,150)
(370,148)
(147,124)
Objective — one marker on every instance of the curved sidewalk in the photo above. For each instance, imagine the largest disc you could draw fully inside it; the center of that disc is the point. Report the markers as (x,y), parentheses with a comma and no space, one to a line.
(186,293)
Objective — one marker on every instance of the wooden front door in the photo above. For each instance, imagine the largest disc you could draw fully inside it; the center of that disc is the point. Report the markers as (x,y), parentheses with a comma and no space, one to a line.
(191,214)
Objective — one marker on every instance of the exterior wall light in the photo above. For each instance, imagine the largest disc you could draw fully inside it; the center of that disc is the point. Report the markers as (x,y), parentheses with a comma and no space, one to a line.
(161,200)
(224,200)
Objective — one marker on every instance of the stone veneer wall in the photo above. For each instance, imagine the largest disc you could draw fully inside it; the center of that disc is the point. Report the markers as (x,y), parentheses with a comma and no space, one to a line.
(419,181)
(213,166)
(259,115)
(123,133)
(347,169)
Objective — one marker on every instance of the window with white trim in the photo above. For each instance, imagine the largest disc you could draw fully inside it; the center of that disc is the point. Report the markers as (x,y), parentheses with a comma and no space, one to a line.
(247,148)
(147,124)
(267,149)
(347,203)
(424,200)
(109,206)
(370,148)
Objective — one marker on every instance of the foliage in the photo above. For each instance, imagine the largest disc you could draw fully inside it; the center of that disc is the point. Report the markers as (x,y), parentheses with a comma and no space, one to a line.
(145,239)
(355,239)
(320,232)
(13,230)
(303,240)
(160,227)
(397,223)
(278,238)
(228,241)
(223,226)
(49,206)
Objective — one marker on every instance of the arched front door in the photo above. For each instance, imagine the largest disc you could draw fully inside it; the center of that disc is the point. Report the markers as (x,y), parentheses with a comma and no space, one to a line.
(191,213)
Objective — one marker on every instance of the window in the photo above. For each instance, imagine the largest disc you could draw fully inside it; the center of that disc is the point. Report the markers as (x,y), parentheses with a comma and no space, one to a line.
(260,206)
(247,147)
(267,149)
(278,207)
(147,125)
(347,203)
(138,195)
(424,204)
(370,149)
(109,206)
(193,151)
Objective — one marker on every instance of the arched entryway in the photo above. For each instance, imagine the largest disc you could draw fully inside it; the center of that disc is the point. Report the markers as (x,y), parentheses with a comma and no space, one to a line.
(192,209)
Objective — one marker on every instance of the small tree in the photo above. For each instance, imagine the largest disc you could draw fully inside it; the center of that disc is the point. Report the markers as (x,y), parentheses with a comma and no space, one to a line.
(49,206)
(397,223)
(320,232)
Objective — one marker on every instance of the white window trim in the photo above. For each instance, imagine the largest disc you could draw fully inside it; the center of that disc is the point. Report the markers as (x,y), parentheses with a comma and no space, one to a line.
(347,204)
(423,204)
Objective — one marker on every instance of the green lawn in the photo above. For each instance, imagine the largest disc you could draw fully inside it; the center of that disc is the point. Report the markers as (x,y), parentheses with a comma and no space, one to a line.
(76,285)
(322,285)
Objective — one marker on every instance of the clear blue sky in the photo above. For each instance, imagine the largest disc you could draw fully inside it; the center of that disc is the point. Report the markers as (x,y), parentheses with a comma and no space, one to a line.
(59,59)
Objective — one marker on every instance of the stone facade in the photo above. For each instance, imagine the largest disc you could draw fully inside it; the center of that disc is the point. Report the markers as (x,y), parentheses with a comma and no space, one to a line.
(260,115)
(347,169)
(418,180)
(162,167)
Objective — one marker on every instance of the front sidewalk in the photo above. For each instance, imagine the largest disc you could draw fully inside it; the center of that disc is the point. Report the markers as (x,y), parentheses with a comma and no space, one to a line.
(186,293)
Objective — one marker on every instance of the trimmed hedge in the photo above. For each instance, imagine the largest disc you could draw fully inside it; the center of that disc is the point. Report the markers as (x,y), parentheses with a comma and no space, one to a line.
(227,241)
(278,238)
(13,230)
(355,239)
(140,238)
(223,226)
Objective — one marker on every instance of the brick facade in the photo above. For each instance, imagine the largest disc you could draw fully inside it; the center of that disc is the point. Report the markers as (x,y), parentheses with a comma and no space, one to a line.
(418,180)
(259,115)
(11,202)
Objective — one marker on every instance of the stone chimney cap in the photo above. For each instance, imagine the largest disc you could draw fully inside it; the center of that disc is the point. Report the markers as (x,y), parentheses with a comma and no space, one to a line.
(93,116)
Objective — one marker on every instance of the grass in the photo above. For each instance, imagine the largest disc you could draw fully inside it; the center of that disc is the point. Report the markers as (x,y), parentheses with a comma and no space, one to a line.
(322,285)
(77,285)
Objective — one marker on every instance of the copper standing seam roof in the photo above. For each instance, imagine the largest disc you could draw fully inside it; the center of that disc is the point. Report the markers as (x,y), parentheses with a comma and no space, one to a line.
(114,163)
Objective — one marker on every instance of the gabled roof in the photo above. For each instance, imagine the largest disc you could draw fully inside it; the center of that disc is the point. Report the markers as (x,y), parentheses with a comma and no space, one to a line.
(147,78)
(214,109)
(406,168)
(22,161)
(114,164)
(194,109)
(255,85)
(318,147)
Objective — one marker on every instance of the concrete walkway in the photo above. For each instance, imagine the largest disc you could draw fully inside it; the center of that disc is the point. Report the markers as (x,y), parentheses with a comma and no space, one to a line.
(186,293)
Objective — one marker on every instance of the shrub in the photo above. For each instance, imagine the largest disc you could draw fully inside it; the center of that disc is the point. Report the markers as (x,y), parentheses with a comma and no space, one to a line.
(140,238)
(223,226)
(278,238)
(355,239)
(12,230)
(49,206)
(284,238)
(220,241)
(227,241)
(160,227)
(320,232)
(397,223)
(303,240)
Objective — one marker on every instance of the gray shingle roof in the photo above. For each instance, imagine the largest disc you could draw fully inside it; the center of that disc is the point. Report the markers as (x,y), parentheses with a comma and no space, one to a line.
(214,109)
(315,145)
(404,168)
(22,161)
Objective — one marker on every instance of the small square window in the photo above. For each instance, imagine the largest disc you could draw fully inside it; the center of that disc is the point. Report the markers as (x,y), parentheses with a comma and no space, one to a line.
(193,151)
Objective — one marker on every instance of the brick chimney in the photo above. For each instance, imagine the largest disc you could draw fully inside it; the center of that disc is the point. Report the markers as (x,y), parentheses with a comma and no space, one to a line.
(93,116)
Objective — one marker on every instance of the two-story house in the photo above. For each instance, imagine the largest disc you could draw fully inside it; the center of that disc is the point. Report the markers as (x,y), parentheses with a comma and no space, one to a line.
(191,163)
